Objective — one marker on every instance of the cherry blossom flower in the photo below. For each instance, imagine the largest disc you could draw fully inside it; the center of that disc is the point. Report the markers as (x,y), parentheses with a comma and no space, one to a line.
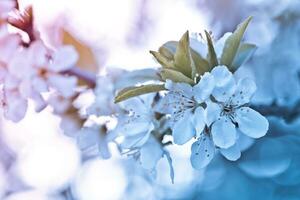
(37,70)
(140,131)
(136,126)
(227,118)
(183,103)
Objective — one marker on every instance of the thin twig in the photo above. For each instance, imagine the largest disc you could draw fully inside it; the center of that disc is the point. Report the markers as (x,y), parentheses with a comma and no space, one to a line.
(86,76)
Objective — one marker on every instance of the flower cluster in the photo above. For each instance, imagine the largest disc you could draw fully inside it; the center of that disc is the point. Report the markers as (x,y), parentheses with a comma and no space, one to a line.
(200,98)
(215,111)
(29,69)
(195,95)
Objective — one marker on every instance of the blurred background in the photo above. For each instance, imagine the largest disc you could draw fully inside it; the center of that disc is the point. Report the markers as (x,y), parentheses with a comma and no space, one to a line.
(39,162)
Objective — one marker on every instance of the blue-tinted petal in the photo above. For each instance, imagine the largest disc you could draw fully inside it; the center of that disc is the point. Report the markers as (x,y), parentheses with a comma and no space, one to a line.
(182,88)
(150,153)
(135,141)
(87,137)
(223,133)
(219,46)
(251,123)
(132,125)
(167,154)
(204,88)
(183,130)
(221,75)
(203,151)
(225,85)
(212,112)
(245,90)
(198,120)
(232,153)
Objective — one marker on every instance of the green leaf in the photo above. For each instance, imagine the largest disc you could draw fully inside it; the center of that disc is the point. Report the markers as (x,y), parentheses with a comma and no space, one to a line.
(232,44)
(165,62)
(201,64)
(212,57)
(244,53)
(175,76)
(182,56)
(130,92)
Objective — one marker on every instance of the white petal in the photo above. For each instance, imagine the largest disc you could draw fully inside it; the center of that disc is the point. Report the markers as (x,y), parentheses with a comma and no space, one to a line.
(140,105)
(221,75)
(223,133)
(251,123)
(203,151)
(199,46)
(245,89)
(63,59)
(219,46)
(183,130)
(212,112)
(65,85)
(198,120)
(232,153)
(151,153)
(225,84)
(132,125)
(136,140)
(182,88)
(204,88)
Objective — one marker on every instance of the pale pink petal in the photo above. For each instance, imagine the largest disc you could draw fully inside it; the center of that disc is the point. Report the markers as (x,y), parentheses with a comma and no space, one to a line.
(8,45)
(6,6)
(40,103)
(65,85)
(63,59)
(11,82)
(39,84)
(15,108)
(37,54)
(20,67)
(25,89)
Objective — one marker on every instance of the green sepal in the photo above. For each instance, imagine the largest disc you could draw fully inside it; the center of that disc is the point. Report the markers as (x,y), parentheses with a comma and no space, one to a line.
(164,61)
(175,76)
(211,56)
(244,53)
(134,91)
(232,44)
(182,57)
